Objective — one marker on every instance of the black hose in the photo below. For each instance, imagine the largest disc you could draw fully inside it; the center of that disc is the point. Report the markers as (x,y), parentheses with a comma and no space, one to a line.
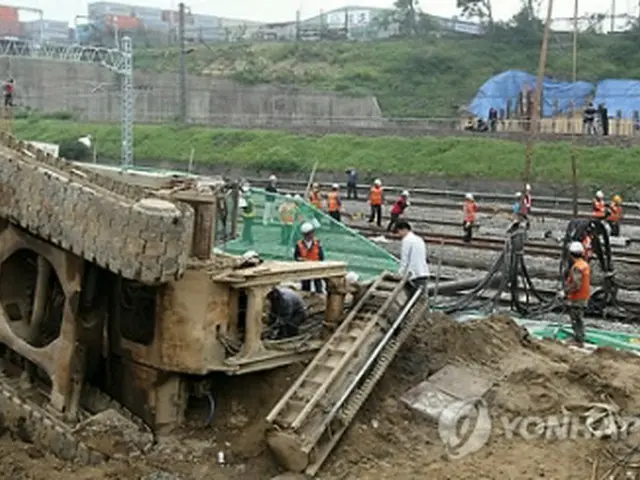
(212,409)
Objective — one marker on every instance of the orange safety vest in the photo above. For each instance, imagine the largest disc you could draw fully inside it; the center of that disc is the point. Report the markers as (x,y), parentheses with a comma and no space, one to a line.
(375,195)
(315,200)
(470,209)
(334,202)
(311,254)
(616,212)
(599,208)
(286,213)
(585,289)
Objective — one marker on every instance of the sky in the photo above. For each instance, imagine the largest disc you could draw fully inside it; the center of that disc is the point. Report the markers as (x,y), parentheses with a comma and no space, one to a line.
(284,10)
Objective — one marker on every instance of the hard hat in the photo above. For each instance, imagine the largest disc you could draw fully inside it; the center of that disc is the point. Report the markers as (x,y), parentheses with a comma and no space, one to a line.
(617,199)
(518,195)
(242,203)
(469,196)
(527,187)
(297,197)
(335,186)
(576,248)
(315,185)
(352,277)
(250,254)
(599,194)
(272,178)
(405,193)
(288,195)
(306,228)
(377,182)
(315,223)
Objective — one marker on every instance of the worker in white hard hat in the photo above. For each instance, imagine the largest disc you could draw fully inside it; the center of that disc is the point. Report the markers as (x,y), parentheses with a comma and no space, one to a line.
(334,202)
(309,250)
(527,198)
(271,190)
(399,206)
(470,217)
(577,289)
(287,212)
(376,200)
(248,217)
(599,208)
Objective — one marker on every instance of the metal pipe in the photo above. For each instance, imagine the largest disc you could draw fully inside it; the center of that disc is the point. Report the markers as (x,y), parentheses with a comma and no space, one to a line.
(374,355)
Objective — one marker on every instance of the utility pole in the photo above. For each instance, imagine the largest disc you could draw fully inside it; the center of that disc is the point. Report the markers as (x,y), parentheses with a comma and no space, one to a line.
(574,160)
(183,67)
(613,16)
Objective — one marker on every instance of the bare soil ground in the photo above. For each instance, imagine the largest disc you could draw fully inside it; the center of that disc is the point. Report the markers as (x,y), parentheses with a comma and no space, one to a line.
(387,439)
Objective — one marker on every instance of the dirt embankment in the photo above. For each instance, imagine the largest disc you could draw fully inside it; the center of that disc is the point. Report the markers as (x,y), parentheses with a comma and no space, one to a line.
(388,440)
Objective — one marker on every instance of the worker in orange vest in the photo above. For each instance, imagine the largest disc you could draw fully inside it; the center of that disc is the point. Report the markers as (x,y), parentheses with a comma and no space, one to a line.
(287,219)
(376,199)
(470,212)
(309,250)
(334,202)
(577,289)
(599,209)
(615,215)
(315,198)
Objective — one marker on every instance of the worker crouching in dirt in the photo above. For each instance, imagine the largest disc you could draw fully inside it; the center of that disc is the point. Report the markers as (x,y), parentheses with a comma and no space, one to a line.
(288,311)
(309,250)
(577,289)
(470,212)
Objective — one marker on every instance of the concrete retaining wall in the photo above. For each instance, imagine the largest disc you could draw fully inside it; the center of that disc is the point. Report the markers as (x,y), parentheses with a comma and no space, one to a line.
(92,92)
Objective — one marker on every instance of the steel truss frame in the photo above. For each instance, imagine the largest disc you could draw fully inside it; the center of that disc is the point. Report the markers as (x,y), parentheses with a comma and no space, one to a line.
(119,61)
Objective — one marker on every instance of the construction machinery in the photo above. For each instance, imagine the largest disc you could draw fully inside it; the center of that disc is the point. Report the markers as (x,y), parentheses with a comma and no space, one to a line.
(112,299)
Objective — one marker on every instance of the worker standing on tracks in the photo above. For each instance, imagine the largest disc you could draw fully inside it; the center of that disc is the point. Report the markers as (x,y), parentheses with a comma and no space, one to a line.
(577,289)
(398,209)
(599,207)
(7,89)
(413,256)
(376,199)
(615,215)
(527,198)
(287,218)
(270,200)
(248,217)
(309,250)
(470,212)
(334,203)
(315,198)
(352,183)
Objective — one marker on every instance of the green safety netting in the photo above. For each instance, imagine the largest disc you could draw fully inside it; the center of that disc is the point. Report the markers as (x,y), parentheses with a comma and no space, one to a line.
(275,240)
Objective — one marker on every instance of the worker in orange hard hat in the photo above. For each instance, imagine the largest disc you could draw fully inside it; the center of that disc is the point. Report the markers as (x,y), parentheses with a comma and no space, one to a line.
(615,215)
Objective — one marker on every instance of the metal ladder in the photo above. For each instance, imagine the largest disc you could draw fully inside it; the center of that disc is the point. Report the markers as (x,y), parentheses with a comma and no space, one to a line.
(301,433)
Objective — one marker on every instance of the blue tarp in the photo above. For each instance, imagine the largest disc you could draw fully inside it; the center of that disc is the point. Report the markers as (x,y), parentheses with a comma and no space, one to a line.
(623,95)
(496,91)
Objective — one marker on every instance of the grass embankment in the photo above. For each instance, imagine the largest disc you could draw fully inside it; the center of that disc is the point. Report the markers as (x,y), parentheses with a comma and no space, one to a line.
(412,77)
(282,152)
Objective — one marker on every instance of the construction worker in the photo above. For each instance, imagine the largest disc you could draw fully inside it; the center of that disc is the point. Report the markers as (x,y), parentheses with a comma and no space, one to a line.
(287,219)
(599,207)
(527,198)
(398,209)
(269,200)
(470,212)
(8,93)
(334,203)
(352,183)
(413,256)
(376,199)
(248,217)
(615,215)
(309,250)
(287,312)
(577,289)
(315,198)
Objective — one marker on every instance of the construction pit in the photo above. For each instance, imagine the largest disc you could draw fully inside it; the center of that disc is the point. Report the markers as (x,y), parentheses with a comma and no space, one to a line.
(132,351)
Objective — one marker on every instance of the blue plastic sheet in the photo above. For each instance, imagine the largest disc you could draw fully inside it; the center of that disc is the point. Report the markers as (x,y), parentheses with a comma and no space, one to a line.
(498,90)
(623,95)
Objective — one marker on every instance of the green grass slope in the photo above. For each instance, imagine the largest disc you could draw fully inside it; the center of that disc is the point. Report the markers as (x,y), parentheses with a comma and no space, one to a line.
(286,153)
(415,78)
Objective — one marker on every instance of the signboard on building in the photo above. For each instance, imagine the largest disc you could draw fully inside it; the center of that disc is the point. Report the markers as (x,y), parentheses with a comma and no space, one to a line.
(355,18)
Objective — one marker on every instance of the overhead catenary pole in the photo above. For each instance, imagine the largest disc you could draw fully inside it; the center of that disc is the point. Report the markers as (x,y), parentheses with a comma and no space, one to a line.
(574,160)
(183,67)
(535,118)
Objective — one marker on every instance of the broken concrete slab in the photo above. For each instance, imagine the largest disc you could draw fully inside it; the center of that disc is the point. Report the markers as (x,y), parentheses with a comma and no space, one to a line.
(448,385)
